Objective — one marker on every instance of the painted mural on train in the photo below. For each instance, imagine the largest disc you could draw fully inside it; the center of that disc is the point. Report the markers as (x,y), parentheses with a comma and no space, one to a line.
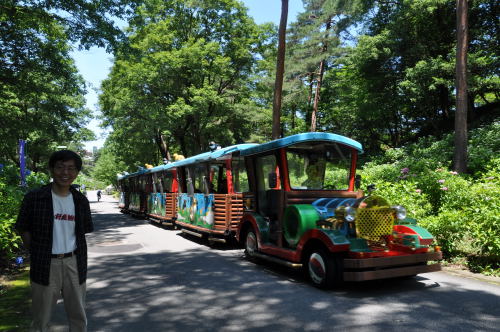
(196,209)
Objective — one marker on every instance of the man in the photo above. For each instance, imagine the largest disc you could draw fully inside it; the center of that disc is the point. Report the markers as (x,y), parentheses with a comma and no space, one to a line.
(98,195)
(52,222)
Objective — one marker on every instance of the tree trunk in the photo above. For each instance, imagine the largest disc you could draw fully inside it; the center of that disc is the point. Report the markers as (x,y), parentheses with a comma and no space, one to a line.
(316,96)
(314,114)
(162,145)
(310,98)
(280,70)
(460,153)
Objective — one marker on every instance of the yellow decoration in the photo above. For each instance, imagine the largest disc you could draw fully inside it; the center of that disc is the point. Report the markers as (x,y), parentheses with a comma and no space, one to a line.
(373,223)
(178,157)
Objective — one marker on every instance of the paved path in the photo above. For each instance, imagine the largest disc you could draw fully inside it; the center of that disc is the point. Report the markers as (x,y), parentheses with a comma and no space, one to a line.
(146,278)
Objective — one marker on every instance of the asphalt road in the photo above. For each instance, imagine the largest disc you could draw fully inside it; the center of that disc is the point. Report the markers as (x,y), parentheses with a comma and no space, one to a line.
(147,278)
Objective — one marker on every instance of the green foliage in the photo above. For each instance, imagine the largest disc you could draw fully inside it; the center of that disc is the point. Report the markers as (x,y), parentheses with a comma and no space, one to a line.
(429,153)
(107,168)
(11,195)
(396,82)
(461,211)
(41,93)
(90,182)
(484,145)
(469,223)
(182,80)
(10,201)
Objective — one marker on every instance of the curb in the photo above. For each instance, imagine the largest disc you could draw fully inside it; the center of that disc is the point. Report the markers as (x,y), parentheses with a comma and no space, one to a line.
(457,271)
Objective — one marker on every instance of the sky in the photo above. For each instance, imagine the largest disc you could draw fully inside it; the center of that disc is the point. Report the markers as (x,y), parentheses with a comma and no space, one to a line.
(95,64)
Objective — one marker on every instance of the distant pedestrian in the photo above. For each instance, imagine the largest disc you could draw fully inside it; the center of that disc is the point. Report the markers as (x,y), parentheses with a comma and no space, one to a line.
(98,195)
(52,222)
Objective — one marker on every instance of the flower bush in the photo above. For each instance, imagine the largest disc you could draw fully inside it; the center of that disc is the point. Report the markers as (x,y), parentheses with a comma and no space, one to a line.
(462,211)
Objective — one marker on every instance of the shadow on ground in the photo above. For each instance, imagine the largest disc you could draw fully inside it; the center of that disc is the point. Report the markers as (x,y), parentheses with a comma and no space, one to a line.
(205,289)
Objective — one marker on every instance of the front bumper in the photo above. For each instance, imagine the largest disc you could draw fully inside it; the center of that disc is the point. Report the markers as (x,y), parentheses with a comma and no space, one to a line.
(390,267)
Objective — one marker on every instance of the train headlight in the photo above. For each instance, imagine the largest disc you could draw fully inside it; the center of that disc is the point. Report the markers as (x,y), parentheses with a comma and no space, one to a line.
(350,214)
(400,212)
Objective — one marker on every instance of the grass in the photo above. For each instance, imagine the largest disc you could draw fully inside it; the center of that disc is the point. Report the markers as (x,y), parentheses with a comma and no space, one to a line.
(15,302)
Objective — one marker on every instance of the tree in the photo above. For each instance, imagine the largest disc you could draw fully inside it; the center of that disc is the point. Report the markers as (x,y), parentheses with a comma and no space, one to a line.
(39,83)
(107,166)
(396,83)
(460,152)
(183,79)
(280,69)
(313,47)
(41,94)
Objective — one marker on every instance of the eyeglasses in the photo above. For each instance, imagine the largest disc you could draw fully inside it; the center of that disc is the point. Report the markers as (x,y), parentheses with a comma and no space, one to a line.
(69,169)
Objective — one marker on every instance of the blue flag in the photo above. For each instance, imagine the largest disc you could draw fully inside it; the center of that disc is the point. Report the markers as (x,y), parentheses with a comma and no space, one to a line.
(22,161)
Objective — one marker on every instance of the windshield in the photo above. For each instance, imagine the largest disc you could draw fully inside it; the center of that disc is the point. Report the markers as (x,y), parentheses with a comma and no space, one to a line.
(319,165)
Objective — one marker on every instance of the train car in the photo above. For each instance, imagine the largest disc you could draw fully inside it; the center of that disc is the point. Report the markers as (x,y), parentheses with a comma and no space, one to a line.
(291,201)
(124,190)
(162,196)
(210,199)
(302,210)
(138,186)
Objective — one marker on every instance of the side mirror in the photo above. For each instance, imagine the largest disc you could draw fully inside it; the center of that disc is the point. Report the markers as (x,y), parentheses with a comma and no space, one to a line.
(357,181)
(272,180)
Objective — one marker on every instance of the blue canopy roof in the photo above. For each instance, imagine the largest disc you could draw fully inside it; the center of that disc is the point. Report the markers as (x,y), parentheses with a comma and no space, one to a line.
(215,155)
(191,160)
(299,138)
(229,150)
(160,168)
(252,148)
(142,171)
(219,154)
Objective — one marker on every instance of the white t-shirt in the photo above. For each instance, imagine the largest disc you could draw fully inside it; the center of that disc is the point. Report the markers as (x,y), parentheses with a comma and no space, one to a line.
(63,233)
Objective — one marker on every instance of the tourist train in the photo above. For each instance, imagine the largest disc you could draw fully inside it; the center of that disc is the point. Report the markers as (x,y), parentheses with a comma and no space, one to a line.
(293,201)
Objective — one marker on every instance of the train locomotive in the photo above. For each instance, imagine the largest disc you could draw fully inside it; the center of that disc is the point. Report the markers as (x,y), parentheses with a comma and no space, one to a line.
(292,201)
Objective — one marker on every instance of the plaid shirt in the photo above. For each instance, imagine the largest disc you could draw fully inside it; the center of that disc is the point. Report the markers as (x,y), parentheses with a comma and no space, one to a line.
(36,216)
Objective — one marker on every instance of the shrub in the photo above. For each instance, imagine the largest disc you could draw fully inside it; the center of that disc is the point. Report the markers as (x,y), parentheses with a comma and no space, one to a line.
(11,195)
(447,228)
(406,194)
(484,144)
(461,211)
(442,186)
(10,199)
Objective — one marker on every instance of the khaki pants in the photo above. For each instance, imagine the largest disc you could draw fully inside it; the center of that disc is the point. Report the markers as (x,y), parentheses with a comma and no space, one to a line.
(63,281)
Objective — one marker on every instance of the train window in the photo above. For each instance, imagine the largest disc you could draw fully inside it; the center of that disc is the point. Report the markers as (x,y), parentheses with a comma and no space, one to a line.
(142,183)
(197,177)
(266,173)
(189,181)
(213,178)
(240,177)
(266,170)
(317,166)
(149,186)
(166,181)
(216,181)
(136,184)
(182,179)
(157,187)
